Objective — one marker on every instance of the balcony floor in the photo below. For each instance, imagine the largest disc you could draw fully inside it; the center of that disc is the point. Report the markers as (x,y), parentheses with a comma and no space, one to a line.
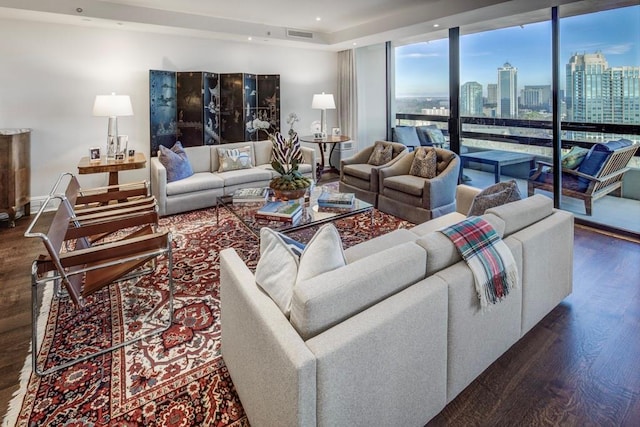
(610,210)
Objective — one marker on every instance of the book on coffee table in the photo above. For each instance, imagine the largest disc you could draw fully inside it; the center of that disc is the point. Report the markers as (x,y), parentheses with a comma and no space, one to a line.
(280,211)
(250,195)
(328,199)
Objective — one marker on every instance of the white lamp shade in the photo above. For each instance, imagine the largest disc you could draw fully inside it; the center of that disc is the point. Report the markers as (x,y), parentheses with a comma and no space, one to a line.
(323,101)
(112,106)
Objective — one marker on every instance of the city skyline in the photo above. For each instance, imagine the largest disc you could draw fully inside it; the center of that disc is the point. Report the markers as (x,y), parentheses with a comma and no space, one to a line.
(422,68)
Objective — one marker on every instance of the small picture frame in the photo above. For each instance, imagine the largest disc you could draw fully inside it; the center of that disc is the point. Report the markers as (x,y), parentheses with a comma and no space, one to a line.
(119,156)
(94,154)
(335,131)
(318,135)
(131,152)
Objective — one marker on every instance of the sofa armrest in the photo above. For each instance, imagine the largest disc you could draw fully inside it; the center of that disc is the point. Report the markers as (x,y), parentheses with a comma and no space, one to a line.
(464,197)
(272,369)
(159,184)
(360,157)
(309,156)
(399,167)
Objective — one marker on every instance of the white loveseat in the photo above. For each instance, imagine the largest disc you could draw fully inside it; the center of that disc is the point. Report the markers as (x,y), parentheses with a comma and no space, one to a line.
(397,333)
(202,189)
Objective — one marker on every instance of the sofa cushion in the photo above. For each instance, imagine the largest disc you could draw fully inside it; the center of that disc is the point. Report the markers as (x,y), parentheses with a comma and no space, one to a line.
(382,153)
(277,267)
(200,158)
(441,252)
(359,170)
(200,181)
(378,244)
(574,157)
(244,176)
(407,135)
(494,195)
(175,161)
(262,151)
(523,213)
(405,184)
(235,158)
(424,163)
(430,135)
(323,253)
(329,298)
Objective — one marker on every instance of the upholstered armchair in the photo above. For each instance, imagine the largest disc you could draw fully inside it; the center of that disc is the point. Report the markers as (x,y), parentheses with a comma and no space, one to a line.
(359,176)
(415,198)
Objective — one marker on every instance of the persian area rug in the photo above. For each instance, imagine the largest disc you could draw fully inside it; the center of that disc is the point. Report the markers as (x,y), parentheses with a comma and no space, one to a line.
(175,378)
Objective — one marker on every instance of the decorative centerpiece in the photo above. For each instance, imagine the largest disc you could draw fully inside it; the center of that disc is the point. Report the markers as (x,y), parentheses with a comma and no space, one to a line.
(287,155)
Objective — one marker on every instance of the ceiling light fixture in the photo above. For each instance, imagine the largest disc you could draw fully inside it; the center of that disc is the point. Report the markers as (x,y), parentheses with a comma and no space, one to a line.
(249,38)
(436,25)
(318,18)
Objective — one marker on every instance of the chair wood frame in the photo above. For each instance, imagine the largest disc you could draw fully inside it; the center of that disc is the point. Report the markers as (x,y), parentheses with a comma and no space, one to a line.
(608,180)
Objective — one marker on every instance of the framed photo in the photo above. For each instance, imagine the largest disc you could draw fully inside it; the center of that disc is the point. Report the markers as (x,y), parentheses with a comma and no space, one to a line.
(119,156)
(318,135)
(94,154)
(335,131)
(132,152)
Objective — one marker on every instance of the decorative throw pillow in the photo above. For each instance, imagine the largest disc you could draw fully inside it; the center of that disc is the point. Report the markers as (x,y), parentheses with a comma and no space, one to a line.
(284,262)
(175,161)
(382,153)
(574,157)
(234,158)
(277,267)
(495,195)
(424,163)
(431,135)
(323,253)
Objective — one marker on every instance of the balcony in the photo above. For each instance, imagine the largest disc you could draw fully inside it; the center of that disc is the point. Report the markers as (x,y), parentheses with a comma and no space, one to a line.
(533,137)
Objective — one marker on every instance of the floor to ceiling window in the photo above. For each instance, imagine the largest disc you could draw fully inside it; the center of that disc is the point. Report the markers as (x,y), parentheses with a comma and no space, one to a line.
(506,96)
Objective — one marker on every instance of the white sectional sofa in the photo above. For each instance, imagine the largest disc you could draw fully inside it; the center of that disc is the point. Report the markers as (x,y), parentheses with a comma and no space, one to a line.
(397,333)
(202,188)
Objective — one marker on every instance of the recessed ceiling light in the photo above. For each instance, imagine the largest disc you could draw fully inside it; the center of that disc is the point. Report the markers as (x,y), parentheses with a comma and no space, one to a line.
(318,18)
(249,38)
(355,44)
(436,25)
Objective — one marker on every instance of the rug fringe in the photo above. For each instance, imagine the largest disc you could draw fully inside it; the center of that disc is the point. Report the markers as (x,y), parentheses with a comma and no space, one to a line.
(15,404)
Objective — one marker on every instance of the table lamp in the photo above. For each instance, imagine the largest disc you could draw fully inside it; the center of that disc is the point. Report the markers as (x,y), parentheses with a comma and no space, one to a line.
(324,102)
(112,106)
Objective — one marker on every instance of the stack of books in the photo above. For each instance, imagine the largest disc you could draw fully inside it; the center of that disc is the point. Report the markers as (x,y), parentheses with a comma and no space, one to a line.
(289,212)
(328,199)
(251,195)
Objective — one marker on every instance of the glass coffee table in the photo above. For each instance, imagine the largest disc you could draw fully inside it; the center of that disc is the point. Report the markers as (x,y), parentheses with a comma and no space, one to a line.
(312,214)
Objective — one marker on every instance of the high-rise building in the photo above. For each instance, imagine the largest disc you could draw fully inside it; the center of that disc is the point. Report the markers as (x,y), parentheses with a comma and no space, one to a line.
(492,94)
(471,99)
(536,97)
(598,93)
(507,91)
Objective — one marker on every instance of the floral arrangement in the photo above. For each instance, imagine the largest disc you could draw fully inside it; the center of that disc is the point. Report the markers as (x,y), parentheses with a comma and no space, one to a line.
(287,155)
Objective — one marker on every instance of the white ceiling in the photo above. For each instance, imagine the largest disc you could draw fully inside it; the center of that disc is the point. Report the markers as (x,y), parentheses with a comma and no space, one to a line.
(342,23)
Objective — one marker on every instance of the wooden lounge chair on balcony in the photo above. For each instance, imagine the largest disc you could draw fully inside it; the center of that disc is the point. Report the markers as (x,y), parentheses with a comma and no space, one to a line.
(599,174)
(80,270)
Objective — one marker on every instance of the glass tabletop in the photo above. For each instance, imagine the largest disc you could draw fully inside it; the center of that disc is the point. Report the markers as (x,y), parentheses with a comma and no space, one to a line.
(312,214)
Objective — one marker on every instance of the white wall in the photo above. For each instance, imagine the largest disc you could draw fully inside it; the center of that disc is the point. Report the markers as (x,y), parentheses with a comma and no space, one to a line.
(51,73)
(372,98)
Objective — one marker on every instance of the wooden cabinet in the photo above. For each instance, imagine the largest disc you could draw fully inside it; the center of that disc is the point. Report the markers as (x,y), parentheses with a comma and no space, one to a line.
(15,172)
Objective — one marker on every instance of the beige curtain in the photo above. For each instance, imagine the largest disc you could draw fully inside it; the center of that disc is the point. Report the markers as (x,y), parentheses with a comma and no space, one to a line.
(347,94)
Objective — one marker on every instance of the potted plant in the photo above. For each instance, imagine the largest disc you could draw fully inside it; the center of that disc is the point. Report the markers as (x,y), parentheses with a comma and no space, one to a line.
(287,156)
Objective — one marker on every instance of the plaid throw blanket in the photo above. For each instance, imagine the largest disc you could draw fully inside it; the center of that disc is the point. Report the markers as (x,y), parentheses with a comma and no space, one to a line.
(493,266)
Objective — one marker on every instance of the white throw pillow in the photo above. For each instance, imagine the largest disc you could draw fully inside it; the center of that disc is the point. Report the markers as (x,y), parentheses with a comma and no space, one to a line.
(284,262)
(277,267)
(323,253)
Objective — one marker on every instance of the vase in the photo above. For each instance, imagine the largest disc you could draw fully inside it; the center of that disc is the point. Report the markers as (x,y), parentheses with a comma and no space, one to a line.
(289,194)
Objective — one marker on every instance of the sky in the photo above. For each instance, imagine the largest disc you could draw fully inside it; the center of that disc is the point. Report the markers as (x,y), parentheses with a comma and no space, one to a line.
(422,68)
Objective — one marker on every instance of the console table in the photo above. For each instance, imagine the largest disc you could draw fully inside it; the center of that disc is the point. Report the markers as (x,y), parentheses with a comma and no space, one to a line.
(330,139)
(86,165)
(15,172)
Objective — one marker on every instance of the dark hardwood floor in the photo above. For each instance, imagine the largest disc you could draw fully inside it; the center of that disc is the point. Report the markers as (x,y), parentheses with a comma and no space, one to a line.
(580,366)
